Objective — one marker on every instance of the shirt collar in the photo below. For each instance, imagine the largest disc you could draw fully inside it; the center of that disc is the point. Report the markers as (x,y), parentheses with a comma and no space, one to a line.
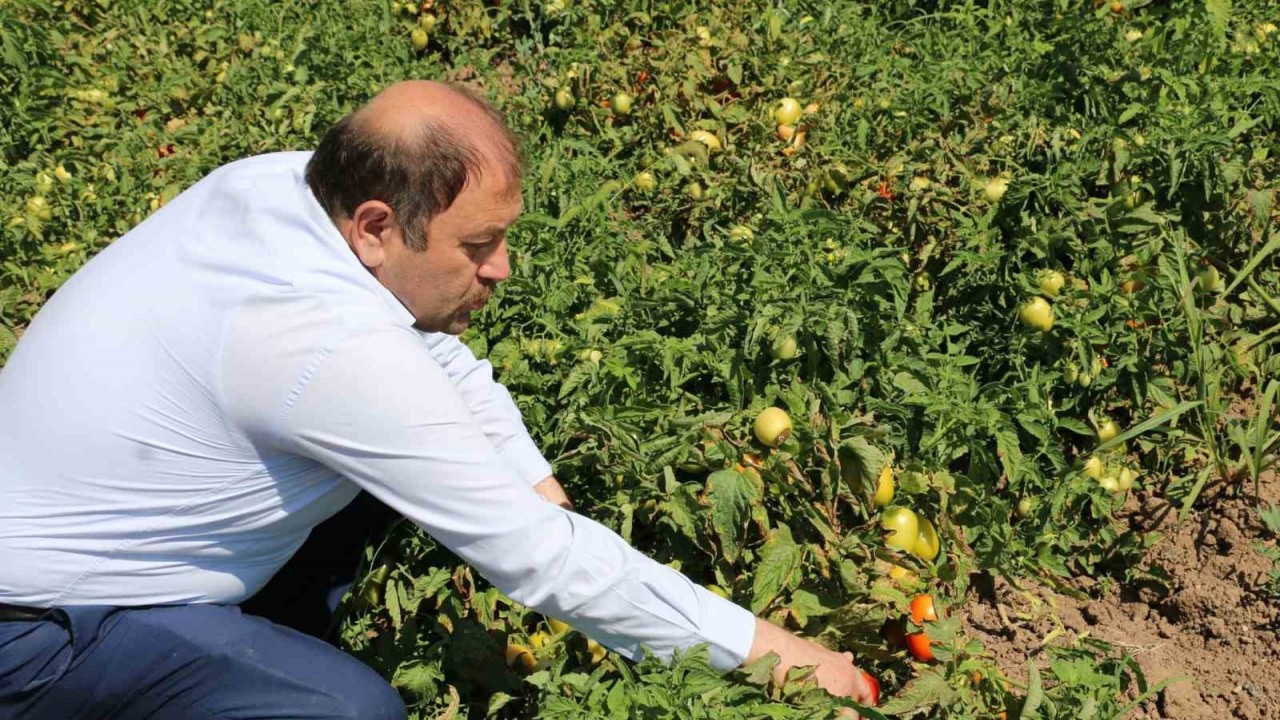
(329,234)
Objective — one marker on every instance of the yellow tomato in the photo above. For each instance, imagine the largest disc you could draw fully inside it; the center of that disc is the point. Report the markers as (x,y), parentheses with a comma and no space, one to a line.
(928,544)
(518,655)
(788,111)
(884,487)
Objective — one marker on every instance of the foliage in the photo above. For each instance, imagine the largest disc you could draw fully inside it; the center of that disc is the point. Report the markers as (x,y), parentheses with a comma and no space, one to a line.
(1132,151)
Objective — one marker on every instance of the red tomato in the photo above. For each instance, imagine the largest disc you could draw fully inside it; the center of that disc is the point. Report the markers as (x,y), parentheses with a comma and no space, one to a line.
(875,687)
(918,644)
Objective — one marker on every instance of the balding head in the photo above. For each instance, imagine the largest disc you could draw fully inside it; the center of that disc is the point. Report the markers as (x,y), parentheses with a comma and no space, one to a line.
(414,146)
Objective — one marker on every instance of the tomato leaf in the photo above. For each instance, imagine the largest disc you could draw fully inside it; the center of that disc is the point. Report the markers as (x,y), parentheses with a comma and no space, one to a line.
(779,563)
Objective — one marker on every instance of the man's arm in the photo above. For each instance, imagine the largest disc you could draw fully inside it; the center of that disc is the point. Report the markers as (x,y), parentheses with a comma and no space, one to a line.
(491,405)
(550,490)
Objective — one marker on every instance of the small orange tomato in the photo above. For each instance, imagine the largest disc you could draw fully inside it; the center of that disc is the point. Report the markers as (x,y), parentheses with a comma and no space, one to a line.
(923,610)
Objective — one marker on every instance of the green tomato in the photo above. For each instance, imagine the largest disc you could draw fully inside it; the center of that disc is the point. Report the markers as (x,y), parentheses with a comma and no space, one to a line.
(994,189)
(901,527)
(621,104)
(1107,429)
(564,99)
(927,544)
(784,348)
(645,181)
(772,427)
(419,39)
(1051,282)
(1037,314)
(1024,507)
(788,111)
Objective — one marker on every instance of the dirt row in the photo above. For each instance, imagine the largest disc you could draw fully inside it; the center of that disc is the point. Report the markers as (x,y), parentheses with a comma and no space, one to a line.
(1214,624)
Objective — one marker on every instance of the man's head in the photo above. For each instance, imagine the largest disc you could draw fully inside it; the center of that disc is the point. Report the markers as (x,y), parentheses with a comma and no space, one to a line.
(423,183)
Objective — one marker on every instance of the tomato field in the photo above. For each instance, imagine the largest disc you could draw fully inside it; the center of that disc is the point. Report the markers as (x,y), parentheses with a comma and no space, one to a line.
(1004,271)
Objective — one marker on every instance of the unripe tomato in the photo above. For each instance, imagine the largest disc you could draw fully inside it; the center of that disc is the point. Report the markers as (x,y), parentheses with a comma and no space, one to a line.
(1125,479)
(703,34)
(539,640)
(419,39)
(1024,507)
(928,544)
(788,111)
(44,182)
(694,190)
(709,139)
(918,644)
(61,174)
(717,590)
(1094,468)
(558,627)
(875,687)
(521,656)
(564,98)
(645,181)
(621,104)
(1071,373)
(1110,483)
(784,348)
(919,183)
(923,610)
(1051,282)
(900,574)
(427,22)
(1210,279)
(772,426)
(1037,314)
(994,189)
(1107,429)
(741,233)
(884,487)
(902,528)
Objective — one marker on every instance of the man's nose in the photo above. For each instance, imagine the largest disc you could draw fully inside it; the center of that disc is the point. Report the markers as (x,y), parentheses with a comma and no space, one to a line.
(497,267)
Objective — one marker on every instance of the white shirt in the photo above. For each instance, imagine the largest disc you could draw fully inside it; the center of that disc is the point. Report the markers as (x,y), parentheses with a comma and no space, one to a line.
(226,375)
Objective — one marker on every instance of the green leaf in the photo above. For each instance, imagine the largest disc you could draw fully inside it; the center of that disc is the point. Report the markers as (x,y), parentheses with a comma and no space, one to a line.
(926,690)
(1035,692)
(860,463)
(779,563)
(732,495)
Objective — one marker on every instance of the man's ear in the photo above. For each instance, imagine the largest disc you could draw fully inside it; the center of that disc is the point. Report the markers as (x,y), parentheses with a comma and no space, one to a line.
(370,232)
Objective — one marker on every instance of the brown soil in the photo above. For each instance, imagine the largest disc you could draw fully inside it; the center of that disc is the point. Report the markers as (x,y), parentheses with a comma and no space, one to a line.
(1214,624)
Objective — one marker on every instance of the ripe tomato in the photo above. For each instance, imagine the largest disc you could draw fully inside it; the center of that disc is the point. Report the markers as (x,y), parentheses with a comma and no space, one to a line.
(918,645)
(772,427)
(875,687)
(923,609)
(788,111)
(786,132)
(927,544)
(902,528)
(1037,314)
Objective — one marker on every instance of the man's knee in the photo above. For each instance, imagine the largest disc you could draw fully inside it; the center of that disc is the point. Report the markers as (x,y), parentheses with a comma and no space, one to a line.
(369,697)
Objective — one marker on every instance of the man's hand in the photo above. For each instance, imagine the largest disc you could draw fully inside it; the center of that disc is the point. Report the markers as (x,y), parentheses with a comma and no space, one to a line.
(550,490)
(835,671)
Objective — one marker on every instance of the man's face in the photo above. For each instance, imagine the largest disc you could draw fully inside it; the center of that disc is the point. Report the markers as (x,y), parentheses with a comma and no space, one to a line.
(465,259)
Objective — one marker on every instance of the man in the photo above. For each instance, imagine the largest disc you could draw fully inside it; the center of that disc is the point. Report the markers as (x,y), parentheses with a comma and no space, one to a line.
(235,370)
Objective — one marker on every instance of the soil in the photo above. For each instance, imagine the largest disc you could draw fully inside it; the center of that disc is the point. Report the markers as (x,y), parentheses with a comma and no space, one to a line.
(1214,623)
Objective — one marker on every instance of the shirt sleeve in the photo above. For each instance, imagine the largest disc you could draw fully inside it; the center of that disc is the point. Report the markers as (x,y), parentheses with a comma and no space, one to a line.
(380,410)
(491,406)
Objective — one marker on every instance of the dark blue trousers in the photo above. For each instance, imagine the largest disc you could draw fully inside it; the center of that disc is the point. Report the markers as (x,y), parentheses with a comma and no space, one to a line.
(198,662)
